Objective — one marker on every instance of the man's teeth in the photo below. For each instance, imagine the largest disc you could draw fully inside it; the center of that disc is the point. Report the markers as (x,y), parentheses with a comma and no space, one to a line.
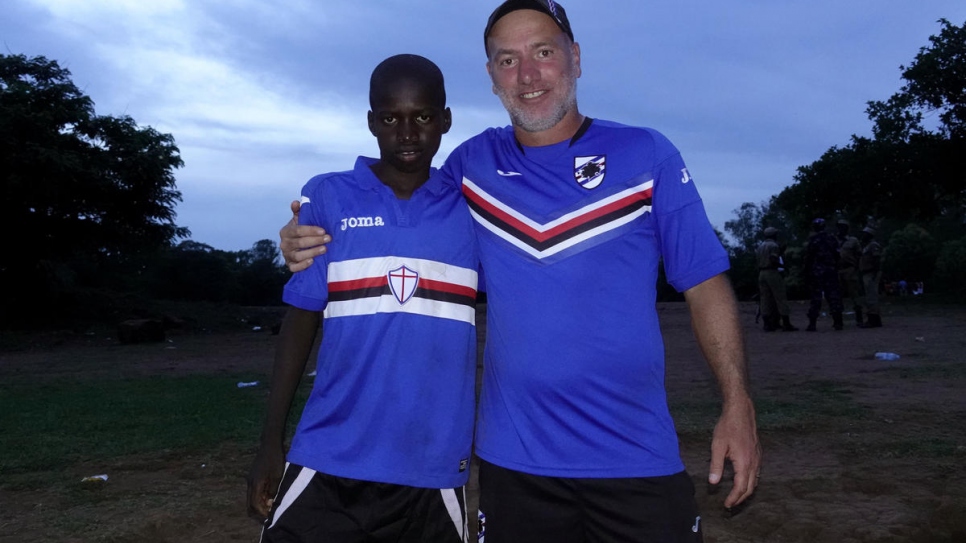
(528,95)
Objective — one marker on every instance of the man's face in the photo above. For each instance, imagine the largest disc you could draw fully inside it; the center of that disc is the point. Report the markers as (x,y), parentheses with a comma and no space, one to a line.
(534,68)
(408,123)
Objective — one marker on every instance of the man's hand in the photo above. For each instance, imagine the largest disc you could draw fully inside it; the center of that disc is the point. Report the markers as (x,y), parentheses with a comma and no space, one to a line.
(300,244)
(263,481)
(736,439)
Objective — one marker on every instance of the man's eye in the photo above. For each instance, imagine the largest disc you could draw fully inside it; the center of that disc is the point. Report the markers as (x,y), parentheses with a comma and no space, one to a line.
(424,119)
(388,119)
(544,53)
(506,62)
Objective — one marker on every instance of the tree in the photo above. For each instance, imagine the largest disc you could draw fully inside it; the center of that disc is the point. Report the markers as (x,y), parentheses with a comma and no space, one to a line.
(935,83)
(81,194)
(911,254)
(907,172)
(951,268)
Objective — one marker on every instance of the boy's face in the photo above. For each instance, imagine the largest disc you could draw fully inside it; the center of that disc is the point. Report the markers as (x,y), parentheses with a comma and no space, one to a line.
(408,123)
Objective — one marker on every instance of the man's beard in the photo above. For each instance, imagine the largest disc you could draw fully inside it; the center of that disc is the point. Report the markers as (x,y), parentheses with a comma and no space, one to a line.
(530,122)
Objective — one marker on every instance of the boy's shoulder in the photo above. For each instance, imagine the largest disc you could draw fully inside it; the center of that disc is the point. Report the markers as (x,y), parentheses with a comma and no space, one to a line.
(360,176)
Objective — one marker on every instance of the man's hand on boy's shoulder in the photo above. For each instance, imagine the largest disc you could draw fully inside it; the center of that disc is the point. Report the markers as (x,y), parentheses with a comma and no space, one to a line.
(300,244)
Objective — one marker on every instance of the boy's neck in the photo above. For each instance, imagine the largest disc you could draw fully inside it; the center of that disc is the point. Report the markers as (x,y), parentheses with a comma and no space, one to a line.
(403,184)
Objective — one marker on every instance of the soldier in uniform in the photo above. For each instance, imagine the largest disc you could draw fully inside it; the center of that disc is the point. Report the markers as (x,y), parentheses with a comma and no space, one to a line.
(821,274)
(771,284)
(849,252)
(870,268)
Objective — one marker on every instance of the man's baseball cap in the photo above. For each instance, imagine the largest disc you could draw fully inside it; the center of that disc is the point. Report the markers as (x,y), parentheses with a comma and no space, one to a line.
(547,7)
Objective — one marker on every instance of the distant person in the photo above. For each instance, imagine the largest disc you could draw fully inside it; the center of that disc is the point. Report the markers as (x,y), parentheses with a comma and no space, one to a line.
(903,288)
(383,446)
(850,249)
(771,285)
(574,215)
(870,266)
(821,274)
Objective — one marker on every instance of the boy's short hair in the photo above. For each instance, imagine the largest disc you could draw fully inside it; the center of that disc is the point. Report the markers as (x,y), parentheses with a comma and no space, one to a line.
(406,67)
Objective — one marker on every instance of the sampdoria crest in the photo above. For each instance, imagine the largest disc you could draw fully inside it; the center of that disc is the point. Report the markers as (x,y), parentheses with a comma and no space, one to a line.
(589,170)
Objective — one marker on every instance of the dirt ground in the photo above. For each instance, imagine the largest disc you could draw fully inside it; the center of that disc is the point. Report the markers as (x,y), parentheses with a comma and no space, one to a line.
(856,449)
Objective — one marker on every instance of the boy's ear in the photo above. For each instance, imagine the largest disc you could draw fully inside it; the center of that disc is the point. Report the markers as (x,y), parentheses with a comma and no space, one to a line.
(447,120)
(371,119)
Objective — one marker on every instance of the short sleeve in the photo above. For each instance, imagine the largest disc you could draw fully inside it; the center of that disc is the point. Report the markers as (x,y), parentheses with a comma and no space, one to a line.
(308,289)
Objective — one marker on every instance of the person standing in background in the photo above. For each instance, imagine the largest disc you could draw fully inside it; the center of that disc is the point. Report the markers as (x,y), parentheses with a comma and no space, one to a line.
(850,249)
(870,267)
(771,284)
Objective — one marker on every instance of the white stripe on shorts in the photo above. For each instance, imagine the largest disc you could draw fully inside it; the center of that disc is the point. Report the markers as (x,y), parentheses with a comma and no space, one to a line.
(455,512)
(298,485)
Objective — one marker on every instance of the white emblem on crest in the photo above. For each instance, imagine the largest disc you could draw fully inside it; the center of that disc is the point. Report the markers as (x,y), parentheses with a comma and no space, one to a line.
(402,282)
(589,170)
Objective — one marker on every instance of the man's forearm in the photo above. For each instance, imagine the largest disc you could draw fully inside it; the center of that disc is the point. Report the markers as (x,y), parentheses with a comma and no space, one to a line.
(714,318)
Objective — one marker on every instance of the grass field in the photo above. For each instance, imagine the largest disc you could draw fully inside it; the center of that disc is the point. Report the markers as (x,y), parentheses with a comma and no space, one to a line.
(856,450)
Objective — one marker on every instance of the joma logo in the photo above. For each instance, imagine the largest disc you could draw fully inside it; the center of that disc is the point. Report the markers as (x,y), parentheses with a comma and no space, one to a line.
(362,222)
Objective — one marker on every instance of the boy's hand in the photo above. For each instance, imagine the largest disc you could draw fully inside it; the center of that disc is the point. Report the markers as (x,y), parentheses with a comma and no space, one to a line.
(263,481)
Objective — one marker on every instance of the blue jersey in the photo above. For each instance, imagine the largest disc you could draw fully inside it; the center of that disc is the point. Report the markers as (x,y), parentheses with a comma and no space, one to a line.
(393,397)
(571,236)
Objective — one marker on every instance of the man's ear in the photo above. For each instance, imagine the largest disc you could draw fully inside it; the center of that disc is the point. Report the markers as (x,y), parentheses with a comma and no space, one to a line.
(575,50)
(371,119)
(489,71)
(447,120)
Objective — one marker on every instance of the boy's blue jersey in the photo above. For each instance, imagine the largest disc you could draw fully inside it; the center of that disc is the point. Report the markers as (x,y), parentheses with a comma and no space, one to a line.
(571,236)
(393,397)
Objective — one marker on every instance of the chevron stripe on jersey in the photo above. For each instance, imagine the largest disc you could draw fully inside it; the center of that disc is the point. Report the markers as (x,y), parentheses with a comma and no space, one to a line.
(542,240)
(361,287)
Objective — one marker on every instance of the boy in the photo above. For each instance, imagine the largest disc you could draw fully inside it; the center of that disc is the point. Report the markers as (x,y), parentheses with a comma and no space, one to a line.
(383,446)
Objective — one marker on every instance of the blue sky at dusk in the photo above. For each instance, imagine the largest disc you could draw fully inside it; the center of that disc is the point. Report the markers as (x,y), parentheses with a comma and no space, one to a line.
(262,95)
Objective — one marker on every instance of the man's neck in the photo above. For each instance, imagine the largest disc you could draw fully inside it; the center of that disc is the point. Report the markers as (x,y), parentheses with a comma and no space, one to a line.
(562,131)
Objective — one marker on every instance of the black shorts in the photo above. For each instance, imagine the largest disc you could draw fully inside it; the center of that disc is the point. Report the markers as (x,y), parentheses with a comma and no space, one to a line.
(313,507)
(517,507)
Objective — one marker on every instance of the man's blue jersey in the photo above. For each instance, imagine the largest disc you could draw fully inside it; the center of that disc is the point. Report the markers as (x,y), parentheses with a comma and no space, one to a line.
(394,393)
(571,236)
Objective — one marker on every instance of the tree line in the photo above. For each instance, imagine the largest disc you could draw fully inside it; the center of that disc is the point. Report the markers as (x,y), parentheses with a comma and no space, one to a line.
(88,203)
(89,200)
(908,181)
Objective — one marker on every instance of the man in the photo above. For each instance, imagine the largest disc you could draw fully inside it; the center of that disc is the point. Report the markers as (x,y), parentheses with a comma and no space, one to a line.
(384,443)
(870,268)
(573,216)
(771,284)
(849,252)
(821,265)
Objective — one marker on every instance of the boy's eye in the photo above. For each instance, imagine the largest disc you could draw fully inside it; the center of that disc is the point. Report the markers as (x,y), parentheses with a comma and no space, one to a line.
(424,119)
(388,119)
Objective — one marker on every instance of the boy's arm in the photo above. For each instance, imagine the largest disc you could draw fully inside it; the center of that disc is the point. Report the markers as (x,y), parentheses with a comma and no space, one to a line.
(294,345)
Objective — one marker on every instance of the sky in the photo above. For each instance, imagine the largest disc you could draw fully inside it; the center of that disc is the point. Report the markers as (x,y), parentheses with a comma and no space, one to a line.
(261,95)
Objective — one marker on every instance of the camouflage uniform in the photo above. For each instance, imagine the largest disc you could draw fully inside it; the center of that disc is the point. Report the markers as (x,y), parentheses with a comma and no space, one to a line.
(870,268)
(849,282)
(821,270)
(771,285)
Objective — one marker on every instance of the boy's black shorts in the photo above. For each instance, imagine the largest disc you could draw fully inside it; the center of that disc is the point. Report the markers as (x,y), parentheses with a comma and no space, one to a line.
(517,507)
(313,507)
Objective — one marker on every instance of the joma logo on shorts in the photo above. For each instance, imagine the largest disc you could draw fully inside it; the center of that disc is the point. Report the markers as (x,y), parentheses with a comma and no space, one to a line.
(362,222)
